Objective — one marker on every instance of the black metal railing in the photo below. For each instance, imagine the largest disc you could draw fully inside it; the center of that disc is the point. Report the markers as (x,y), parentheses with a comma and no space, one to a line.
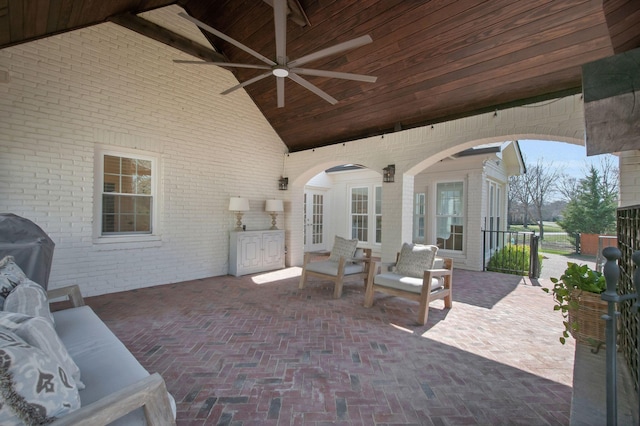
(628,230)
(511,252)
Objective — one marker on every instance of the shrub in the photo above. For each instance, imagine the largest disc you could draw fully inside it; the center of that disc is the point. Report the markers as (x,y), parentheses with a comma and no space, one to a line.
(512,259)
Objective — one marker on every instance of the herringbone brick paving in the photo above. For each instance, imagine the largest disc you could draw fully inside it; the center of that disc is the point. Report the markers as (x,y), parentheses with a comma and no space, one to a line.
(257,350)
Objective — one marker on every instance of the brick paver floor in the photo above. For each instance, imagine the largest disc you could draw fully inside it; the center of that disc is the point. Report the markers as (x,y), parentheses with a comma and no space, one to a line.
(256,350)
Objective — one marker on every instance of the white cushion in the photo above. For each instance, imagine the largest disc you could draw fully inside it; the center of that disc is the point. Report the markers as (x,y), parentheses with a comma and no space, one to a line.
(29,374)
(328,267)
(343,248)
(106,364)
(415,259)
(406,283)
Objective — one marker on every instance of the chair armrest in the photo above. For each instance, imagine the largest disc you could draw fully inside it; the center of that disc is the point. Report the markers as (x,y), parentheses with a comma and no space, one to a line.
(71,293)
(439,272)
(375,265)
(150,393)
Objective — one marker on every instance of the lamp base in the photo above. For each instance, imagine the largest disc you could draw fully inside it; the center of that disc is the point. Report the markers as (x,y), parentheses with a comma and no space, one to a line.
(239,221)
(273,221)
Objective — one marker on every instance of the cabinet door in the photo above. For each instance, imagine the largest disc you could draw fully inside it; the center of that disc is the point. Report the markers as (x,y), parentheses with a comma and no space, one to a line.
(273,250)
(250,255)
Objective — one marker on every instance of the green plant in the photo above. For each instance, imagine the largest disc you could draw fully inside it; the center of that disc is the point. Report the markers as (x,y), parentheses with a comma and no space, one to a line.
(575,277)
(512,259)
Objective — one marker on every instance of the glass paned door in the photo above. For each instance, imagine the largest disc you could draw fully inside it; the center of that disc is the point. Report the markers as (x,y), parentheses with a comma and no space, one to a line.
(314,239)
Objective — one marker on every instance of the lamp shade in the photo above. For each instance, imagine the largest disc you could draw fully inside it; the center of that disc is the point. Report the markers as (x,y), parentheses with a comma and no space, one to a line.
(237,204)
(273,206)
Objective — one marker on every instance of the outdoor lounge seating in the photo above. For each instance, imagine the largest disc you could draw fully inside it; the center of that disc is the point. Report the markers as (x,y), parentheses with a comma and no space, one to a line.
(417,275)
(345,260)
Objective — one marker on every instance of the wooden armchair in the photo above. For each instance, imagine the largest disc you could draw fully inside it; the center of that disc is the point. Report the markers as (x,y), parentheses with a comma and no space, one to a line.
(345,261)
(434,282)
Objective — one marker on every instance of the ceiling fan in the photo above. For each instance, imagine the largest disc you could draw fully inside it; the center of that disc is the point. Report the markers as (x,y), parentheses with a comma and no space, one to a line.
(282,67)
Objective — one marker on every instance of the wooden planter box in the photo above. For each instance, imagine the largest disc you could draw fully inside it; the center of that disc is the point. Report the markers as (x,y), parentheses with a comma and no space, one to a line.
(588,316)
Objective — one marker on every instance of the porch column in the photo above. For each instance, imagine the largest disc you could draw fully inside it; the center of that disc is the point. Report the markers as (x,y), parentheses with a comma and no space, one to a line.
(397,215)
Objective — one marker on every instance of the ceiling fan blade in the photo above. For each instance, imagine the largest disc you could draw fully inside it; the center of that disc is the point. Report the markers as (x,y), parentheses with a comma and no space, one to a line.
(341,47)
(335,74)
(227,38)
(313,88)
(224,64)
(246,83)
(280,23)
(280,89)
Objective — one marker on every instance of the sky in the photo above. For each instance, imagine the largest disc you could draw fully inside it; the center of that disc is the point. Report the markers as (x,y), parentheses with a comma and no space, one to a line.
(569,158)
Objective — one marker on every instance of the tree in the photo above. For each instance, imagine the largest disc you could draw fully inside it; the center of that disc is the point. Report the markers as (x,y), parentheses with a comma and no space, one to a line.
(592,209)
(541,185)
(519,194)
(533,189)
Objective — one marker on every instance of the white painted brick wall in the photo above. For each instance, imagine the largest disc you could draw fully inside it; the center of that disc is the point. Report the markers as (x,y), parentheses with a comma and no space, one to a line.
(107,85)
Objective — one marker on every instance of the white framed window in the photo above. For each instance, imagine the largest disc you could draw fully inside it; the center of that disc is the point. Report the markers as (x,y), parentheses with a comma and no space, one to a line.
(366,213)
(360,214)
(419,217)
(378,201)
(450,215)
(493,221)
(126,196)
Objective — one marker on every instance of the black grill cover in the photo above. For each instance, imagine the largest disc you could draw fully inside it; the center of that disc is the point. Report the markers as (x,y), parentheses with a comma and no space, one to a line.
(30,246)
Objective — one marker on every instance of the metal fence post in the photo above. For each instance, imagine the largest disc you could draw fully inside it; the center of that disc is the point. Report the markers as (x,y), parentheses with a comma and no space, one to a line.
(611,274)
(636,283)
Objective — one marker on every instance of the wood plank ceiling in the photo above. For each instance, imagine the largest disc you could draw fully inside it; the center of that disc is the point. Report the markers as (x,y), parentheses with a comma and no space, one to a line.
(435,60)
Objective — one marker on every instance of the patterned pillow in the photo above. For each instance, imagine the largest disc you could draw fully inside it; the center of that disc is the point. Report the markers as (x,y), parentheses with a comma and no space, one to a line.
(415,258)
(33,387)
(10,276)
(38,332)
(30,299)
(343,248)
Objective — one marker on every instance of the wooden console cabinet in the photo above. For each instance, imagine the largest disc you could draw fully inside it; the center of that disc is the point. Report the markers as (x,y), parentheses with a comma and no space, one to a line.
(255,251)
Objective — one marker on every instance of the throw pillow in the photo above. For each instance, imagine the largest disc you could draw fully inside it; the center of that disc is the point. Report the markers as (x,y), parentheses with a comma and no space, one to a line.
(30,299)
(38,332)
(33,387)
(343,248)
(10,276)
(415,258)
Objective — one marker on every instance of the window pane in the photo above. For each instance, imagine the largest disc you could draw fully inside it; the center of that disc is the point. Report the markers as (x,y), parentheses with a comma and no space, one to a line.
(143,177)
(359,227)
(449,215)
(127,195)
(111,165)
(359,213)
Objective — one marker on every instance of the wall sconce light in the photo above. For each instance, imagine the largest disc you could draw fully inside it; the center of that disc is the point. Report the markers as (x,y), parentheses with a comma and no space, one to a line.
(283,183)
(389,173)
(273,207)
(238,205)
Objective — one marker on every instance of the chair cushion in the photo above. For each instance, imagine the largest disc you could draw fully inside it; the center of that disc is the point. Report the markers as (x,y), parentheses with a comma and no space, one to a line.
(343,248)
(106,364)
(415,259)
(406,283)
(327,267)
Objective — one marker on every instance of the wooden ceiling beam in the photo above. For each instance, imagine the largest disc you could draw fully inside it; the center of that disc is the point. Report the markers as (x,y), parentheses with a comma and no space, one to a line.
(163,35)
